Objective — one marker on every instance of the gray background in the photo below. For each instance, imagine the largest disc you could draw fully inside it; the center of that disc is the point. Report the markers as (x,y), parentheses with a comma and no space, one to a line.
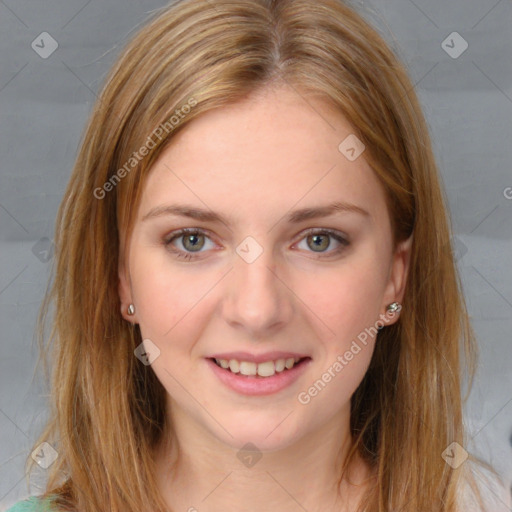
(44,104)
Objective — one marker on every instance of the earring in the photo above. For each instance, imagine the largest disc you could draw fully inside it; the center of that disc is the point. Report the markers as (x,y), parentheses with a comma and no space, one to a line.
(131,309)
(394,307)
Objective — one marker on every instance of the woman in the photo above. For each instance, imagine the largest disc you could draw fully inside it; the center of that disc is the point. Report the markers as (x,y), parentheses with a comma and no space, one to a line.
(257,306)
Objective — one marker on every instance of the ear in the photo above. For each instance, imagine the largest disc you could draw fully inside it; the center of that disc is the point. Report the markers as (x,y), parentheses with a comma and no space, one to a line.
(399,271)
(125,293)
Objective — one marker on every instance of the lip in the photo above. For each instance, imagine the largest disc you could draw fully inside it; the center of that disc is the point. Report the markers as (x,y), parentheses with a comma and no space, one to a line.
(257,358)
(255,385)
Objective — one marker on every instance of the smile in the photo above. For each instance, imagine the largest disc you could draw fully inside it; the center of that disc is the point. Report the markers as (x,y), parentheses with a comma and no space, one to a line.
(263,378)
(264,369)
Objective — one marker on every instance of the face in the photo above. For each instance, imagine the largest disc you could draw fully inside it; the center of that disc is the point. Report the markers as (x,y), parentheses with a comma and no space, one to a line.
(268,281)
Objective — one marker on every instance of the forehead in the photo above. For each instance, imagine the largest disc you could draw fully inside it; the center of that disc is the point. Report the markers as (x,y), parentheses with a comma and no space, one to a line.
(275,151)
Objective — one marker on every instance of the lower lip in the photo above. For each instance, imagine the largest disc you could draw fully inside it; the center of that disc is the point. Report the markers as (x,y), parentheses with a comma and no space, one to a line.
(255,385)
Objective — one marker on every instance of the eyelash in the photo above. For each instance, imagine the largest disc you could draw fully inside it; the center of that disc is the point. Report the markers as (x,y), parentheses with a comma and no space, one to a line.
(194,231)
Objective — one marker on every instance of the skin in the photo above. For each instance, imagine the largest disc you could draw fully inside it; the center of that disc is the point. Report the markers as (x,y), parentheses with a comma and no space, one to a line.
(254,162)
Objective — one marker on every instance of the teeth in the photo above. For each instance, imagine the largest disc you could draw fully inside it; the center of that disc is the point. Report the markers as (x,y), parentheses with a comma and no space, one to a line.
(289,362)
(247,368)
(280,365)
(265,369)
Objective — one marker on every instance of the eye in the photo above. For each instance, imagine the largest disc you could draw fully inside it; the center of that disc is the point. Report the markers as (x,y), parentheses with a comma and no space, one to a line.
(192,239)
(318,241)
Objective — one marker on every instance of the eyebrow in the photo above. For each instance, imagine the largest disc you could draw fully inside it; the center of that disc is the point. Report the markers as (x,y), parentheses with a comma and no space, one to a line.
(295,217)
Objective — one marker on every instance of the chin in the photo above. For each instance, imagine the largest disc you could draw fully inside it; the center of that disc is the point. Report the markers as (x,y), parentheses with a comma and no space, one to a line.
(267,434)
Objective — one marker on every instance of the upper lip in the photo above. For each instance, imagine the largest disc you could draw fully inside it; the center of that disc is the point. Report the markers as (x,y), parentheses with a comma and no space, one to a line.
(258,358)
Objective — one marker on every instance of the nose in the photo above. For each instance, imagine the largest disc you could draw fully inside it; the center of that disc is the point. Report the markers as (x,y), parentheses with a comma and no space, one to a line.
(257,299)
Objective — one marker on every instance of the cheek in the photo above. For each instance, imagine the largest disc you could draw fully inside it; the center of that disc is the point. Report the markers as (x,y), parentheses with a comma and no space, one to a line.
(348,303)
(346,299)
(166,298)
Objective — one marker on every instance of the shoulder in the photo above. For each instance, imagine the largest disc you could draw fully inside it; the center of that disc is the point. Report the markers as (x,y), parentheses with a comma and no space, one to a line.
(32,504)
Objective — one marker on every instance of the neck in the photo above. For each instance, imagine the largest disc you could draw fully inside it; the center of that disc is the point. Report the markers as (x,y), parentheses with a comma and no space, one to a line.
(197,472)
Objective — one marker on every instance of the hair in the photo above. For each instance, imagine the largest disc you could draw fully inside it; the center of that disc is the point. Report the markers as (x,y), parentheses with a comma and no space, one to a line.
(108,411)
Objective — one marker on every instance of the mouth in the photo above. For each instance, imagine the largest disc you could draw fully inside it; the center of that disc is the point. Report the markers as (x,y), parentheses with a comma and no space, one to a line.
(262,378)
(263,370)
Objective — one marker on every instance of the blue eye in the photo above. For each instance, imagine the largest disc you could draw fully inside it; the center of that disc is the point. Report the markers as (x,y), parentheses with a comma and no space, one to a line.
(193,240)
(320,239)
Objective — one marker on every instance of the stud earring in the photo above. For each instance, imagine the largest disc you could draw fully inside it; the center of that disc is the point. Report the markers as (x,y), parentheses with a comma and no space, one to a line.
(394,307)
(131,309)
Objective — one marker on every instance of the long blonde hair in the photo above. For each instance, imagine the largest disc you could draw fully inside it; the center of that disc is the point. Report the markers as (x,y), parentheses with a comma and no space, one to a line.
(108,410)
